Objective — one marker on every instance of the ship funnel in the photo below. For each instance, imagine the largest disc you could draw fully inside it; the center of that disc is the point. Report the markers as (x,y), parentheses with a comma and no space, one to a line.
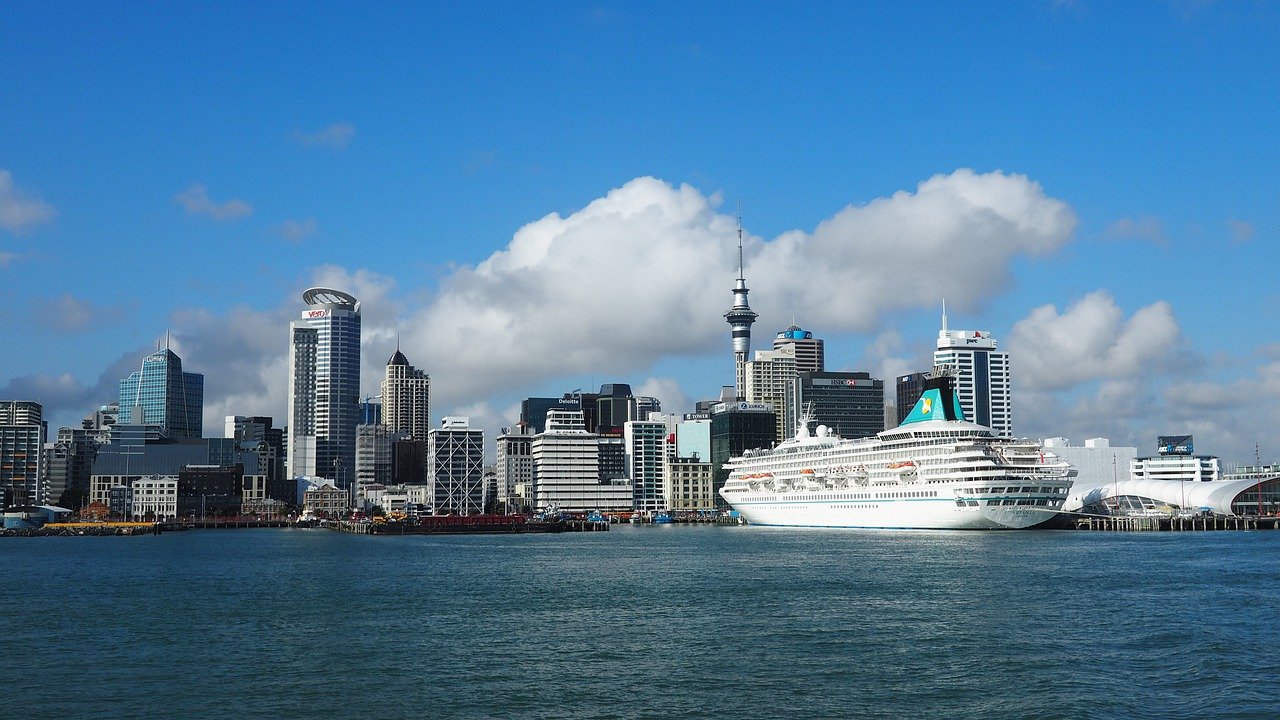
(937,402)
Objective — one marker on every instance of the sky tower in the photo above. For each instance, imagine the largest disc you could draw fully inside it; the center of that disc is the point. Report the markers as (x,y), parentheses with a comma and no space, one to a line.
(740,317)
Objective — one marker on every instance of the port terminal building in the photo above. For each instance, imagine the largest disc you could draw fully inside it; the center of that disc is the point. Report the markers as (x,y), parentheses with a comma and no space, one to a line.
(1115,480)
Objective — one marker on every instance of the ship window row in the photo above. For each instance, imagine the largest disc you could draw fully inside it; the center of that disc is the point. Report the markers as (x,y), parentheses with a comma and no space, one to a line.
(1014,489)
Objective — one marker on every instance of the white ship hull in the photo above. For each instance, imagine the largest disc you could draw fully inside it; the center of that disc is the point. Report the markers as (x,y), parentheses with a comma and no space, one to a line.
(939,513)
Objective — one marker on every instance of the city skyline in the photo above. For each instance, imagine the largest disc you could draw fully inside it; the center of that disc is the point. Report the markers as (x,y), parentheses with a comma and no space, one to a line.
(1112,229)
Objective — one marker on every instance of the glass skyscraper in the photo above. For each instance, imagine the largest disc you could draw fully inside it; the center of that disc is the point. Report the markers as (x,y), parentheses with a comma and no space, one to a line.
(160,393)
(324,387)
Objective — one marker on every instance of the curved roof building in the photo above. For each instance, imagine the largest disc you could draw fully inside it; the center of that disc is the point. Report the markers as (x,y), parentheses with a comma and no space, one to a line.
(1224,497)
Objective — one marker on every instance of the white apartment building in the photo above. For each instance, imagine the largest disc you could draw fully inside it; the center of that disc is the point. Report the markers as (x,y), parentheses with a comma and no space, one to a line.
(645,442)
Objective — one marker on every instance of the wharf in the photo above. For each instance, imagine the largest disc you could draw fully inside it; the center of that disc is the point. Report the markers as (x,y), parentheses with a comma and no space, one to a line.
(465,525)
(226,524)
(86,529)
(1177,524)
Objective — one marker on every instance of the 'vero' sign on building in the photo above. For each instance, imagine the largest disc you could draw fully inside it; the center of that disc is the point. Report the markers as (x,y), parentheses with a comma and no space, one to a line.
(313,314)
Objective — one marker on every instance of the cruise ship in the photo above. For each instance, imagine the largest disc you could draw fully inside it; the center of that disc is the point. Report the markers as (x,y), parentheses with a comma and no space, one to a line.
(934,471)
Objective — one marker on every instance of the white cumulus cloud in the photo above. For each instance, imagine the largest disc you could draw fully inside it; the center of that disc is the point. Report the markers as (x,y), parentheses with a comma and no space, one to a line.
(1089,341)
(953,238)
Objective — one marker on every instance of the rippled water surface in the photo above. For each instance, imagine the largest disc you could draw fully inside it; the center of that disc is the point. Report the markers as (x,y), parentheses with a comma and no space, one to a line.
(643,622)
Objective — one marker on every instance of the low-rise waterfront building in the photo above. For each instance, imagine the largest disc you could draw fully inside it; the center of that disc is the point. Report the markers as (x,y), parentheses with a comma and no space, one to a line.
(325,501)
(688,484)
(154,498)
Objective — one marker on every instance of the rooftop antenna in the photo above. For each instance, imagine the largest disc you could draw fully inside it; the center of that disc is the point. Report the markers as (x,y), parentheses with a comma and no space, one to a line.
(944,316)
(740,275)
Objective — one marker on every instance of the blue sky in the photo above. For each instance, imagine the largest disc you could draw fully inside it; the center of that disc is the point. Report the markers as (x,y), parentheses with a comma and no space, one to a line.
(194,168)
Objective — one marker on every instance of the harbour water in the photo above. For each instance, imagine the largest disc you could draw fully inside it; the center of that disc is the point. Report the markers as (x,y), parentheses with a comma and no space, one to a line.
(643,622)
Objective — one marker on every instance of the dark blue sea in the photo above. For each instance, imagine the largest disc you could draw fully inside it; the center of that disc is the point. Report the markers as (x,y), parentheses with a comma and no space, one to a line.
(642,622)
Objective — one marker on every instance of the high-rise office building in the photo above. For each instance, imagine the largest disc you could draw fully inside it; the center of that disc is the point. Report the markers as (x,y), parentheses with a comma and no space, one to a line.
(161,394)
(810,356)
(324,387)
(736,428)
(258,434)
(849,403)
(533,411)
(646,405)
(740,318)
(455,467)
(982,376)
(910,388)
(611,455)
(374,445)
(769,382)
(70,463)
(406,398)
(409,462)
(615,406)
(693,437)
(23,433)
(566,472)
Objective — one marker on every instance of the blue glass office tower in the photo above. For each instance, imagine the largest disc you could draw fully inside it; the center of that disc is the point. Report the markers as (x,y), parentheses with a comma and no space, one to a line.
(162,394)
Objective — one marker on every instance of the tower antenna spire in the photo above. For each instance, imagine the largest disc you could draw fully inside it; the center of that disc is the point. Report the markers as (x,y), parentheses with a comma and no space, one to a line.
(740,268)
(944,316)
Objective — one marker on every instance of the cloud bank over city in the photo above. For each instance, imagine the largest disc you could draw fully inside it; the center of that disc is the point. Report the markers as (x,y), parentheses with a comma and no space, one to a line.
(641,275)
(639,278)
